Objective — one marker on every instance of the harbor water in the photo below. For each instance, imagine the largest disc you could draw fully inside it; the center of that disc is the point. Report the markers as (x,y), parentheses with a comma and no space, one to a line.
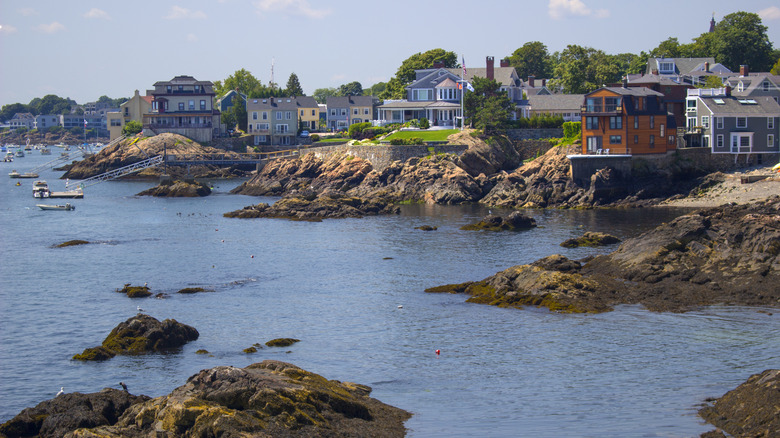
(352,291)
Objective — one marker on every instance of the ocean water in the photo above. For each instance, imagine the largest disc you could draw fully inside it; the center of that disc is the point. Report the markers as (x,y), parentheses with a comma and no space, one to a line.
(336,285)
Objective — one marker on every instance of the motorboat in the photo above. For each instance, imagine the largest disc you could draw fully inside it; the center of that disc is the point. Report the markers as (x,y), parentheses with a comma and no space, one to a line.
(45,151)
(20,153)
(15,174)
(41,189)
(66,207)
(9,157)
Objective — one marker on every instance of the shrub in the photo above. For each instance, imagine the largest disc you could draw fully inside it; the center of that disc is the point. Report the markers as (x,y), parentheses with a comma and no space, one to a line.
(572,130)
(424,123)
(356,130)
(132,127)
(315,137)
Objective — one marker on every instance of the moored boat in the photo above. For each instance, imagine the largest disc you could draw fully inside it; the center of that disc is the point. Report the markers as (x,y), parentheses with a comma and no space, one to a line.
(15,174)
(66,207)
(45,151)
(9,157)
(41,189)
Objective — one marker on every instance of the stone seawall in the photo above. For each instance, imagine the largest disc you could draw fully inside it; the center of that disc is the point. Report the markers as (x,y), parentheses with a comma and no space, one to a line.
(704,159)
(380,156)
(534,134)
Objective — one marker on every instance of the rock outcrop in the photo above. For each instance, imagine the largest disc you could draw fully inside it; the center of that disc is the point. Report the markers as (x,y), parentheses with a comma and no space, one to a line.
(133,150)
(307,207)
(141,334)
(750,410)
(591,238)
(515,221)
(178,189)
(726,255)
(70,411)
(267,399)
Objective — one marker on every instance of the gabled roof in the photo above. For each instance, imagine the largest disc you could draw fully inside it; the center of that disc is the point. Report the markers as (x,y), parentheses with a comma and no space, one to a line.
(550,102)
(682,66)
(759,106)
(281,103)
(630,91)
(183,80)
(431,78)
(752,83)
(447,83)
(349,101)
(506,76)
(654,79)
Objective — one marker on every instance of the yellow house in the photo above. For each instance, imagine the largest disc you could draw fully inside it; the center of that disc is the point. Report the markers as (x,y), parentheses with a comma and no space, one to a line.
(308,112)
(133,109)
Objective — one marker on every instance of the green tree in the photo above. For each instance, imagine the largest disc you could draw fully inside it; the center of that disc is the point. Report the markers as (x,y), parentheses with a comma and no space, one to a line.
(406,72)
(294,86)
(351,89)
(740,38)
(132,127)
(239,109)
(775,68)
(584,69)
(668,48)
(321,95)
(532,59)
(487,107)
(50,104)
(711,82)
(8,111)
(377,89)
(242,81)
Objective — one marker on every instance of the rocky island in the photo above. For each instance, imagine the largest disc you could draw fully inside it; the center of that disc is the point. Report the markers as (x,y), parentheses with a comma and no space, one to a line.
(264,399)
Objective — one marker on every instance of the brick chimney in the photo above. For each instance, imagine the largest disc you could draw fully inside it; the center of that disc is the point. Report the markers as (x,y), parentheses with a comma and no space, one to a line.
(504,62)
(654,71)
(707,66)
(489,68)
(438,64)
(728,90)
(531,80)
(744,70)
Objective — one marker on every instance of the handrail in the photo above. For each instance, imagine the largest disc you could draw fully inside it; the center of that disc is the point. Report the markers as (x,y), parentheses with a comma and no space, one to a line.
(122,171)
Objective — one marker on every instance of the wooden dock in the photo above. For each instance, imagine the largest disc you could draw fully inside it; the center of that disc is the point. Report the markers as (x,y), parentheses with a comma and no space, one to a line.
(73,194)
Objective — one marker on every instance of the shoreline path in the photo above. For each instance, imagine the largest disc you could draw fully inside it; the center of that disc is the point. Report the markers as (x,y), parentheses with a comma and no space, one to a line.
(732,190)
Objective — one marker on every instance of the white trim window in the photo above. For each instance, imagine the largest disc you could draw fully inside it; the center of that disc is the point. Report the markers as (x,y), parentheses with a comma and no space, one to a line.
(663,130)
(741,142)
(333,112)
(719,141)
(254,115)
(719,122)
(705,141)
(770,141)
(279,115)
(705,122)
(265,115)
(262,126)
(741,122)
(288,115)
(281,128)
(770,123)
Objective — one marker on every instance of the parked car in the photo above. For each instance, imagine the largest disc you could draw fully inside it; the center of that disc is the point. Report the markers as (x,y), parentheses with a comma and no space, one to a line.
(304,133)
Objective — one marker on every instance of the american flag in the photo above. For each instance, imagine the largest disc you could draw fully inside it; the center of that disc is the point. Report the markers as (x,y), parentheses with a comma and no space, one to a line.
(85,123)
(463,61)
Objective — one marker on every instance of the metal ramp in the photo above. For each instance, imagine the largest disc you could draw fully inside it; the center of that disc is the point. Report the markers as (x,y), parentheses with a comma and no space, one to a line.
(122,171)
(57,161)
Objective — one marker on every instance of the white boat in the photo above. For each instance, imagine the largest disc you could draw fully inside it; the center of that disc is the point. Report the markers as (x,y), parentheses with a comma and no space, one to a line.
(41,189)
(9,157)
(20,153)
(66,207)
(45,151)
(15,174)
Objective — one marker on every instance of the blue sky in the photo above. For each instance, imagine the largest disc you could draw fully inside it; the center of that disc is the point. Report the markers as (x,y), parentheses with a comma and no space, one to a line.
(84,49)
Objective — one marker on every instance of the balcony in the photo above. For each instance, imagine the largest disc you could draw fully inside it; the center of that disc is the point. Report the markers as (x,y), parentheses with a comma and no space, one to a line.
(601,109)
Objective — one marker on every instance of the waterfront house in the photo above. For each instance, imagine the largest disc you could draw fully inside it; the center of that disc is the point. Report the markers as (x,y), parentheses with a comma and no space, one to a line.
(748,84)
(22,120)
(728,124)
(46,121)
(131,110)
(568,106)
(686,70)
(674,92)
(344,111)
(226,101)
(277,120)
(183,106)
(627,120)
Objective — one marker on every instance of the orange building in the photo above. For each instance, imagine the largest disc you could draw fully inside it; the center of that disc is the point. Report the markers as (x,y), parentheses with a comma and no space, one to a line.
(632,121)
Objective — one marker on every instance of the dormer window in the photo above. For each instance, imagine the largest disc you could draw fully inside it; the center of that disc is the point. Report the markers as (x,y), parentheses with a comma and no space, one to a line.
(666,67)
(766,85)
(740,86)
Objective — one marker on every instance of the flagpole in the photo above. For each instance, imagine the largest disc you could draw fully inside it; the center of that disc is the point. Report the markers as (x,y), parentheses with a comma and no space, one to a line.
(462,92)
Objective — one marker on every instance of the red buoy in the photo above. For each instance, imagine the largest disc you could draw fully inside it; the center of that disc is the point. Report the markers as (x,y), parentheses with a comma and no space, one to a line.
(437,352)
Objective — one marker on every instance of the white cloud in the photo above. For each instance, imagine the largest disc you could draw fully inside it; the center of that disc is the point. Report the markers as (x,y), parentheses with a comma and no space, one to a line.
(7,29)
(191,37)
(293,7)
(54,27)
(770,13)
(559,9)
(27,11)
(97,13)
(178,13)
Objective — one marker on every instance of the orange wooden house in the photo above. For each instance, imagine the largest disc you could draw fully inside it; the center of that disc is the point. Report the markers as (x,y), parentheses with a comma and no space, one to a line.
(630,121)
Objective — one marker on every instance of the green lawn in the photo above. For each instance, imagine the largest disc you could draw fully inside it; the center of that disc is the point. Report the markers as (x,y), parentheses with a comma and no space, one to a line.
(332,140)
(435,135)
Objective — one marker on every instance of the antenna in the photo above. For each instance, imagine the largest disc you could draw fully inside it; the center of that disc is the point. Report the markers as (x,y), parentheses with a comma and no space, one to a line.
(272,72)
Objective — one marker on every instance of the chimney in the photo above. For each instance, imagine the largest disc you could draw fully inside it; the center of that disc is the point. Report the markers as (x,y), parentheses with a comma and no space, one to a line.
(625,81)
(504,62)
(489,68)
(707,66)
(744,70)
(544,82)
(531,80)
(438,64)
(654,71)
(728,90)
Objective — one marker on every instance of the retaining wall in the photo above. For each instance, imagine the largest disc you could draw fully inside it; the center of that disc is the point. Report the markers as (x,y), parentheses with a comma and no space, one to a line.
(584,166)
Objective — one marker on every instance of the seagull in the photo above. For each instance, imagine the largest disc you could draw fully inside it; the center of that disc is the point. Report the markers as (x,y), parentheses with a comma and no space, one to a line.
(139,308)
(62,391)
(122,384)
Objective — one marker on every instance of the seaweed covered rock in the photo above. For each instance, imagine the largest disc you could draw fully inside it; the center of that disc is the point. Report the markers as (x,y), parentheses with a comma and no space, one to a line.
(330,205)
(135,291)
(74,242)
(271,398)
(281,342)
(591,238)
(141,334)
(70,411)
(513,222)
(749,410)
(178,189)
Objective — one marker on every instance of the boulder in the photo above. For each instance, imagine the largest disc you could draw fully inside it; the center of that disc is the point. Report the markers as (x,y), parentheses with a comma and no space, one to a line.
(141,334)
(178,189)
(71,243)
(515,221)
(330,205)
(266,399)
(135,291)
(591,238)
(281,342)
(750,410)
(70,411)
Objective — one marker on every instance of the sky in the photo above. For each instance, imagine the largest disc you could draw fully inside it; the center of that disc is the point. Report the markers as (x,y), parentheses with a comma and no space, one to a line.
(83,49)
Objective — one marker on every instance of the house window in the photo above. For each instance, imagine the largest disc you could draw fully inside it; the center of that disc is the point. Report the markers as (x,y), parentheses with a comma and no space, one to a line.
(181,88)
(652,122)
(168,88)
(254,115)
(611,104)
(333,112)
(343,111)
(652,141)
(288,115)
(279,115)
(671,139)
(636,139)
(262,126)
(314,112)
(666,67)
(284,140)
(615,122)
(593,104)
(691,104)
(181,106)
(281,129)
(705,141)
(591,123)
(203,104)
(615,139)
(770,141)
(741,122)
(741,142)
(636,122)
(705,121)
(192,105)
(770,123)
(265,115)
(719,122)
(365,111)
(422,94)
(719,141)
(691,122)
(766,85)
(662,130)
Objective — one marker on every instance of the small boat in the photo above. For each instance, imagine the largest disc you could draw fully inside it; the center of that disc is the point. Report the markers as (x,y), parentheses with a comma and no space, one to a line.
(45,151)
(41,189)
(15,174)
(9,157)
(66,207)
(20,153)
